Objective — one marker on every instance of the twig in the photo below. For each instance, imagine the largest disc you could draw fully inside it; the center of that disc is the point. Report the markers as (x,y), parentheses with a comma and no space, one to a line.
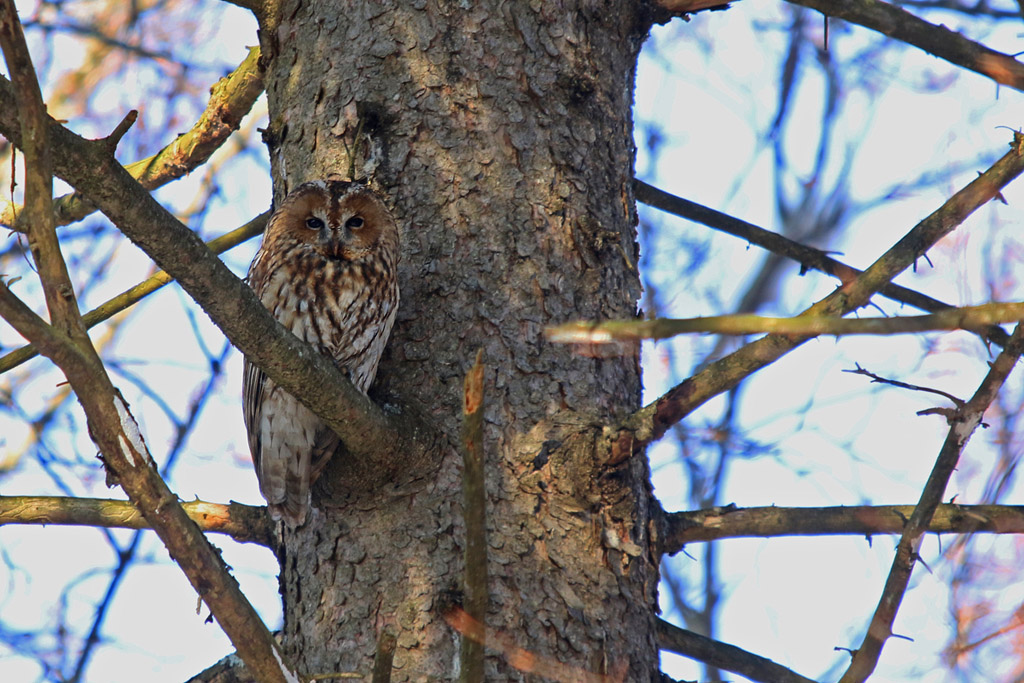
(474,514)
(966,318)
(936,40)
(653,420)
(809,258)
(723,656)
(865,657)
(876,379)
(680,528)
(133,295)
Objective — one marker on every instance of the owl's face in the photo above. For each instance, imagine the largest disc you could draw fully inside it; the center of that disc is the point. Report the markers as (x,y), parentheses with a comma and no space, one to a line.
(339,220)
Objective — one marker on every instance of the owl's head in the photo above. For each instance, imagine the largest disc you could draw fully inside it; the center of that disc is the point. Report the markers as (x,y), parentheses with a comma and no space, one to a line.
(340,220)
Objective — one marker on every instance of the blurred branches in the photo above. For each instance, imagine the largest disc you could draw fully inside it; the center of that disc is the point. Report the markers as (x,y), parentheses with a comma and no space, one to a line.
(967,419)
(652,421)
(231,99)
(133,295)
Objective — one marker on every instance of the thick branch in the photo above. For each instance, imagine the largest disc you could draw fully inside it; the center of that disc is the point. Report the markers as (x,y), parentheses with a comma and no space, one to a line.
(680,528)
(231,99)
(372,438)
(865,657)
(244,523)
(936,40)
(723,656)
(653,420)
(809,258)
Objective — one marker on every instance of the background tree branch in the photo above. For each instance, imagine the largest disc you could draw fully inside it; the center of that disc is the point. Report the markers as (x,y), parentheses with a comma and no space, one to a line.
(231,99)
(680,528)
(653,420)
(962,426)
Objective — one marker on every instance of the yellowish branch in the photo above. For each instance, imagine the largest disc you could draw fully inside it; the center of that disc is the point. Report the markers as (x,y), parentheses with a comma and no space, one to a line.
(966,318)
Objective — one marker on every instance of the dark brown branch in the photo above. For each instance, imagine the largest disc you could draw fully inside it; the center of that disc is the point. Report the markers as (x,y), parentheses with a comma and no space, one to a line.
(34,129)
(865,657)
(231,99)
(936,40)
(370,435)
(244,523)
(128,461)
(474,514)
(809,258)
(700,526)
(133,295)
(110,423)
(723,656)
(653,420)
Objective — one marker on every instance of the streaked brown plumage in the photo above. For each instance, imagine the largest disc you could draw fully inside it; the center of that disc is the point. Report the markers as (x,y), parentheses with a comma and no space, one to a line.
(326,270)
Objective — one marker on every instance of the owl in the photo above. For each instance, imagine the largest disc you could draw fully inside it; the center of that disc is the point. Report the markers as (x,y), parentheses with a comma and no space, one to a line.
(326,270)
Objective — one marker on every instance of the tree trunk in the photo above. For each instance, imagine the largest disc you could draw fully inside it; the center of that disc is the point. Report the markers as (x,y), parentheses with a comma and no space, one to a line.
(501,134)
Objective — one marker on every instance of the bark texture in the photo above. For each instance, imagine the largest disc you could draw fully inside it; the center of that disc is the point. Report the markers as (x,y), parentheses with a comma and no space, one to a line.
(502,134)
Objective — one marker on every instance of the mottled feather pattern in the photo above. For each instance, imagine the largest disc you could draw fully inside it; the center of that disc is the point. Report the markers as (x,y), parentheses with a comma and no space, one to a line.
(326,270)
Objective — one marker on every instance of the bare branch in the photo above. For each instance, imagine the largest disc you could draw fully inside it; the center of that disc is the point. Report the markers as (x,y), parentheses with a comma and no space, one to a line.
(936,40)
(809,258)
(244,523)
(717,523)
(133,295)
(653,420)
(865,657)
(966,318)
(723,656)
(231,99)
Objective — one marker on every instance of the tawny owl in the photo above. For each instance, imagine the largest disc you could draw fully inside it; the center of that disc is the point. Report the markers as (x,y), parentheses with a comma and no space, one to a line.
(326,270)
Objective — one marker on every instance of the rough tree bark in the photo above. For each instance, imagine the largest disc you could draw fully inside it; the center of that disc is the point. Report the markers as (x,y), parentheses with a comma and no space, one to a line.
(501,132)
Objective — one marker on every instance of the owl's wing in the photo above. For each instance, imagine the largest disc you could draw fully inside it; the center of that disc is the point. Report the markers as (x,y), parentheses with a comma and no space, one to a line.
(253,388)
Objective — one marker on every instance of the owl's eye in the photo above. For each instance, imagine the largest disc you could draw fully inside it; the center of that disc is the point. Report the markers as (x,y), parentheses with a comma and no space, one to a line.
(355,222)
(314,223)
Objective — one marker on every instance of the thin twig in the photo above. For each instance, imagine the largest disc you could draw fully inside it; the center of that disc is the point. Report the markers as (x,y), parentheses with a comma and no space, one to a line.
(244,523)
(865,657)
(877,379)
